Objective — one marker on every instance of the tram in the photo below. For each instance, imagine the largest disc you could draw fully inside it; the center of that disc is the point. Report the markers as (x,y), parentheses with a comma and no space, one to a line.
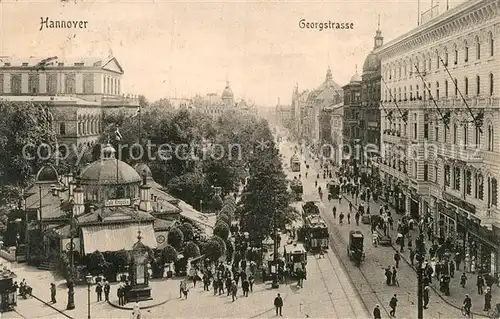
(317,237)
(295,163)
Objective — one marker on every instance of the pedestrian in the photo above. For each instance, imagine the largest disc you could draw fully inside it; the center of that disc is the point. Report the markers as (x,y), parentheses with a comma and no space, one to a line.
(376,312)
(136,312)
(350,207)
(487,300)
(426,296)
(463,280)
(452,269)
(229,284)
(393,304)
(341,218)
(278,304)
(356,217)
(245,285)
(251,280)
(98,290)
(349,217)
(107,288)
(334,209)
(480,284)
(215,286)
(397,258)
(234,290)
(53,293)
(119,292)
(467,304)
(412,256)
(388,275)
(394,278)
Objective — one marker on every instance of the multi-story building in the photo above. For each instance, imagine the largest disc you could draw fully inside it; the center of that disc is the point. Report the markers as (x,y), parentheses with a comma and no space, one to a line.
(214,105)
(361,109)
(440,102)
(299,100)
(331,124)
(77,92)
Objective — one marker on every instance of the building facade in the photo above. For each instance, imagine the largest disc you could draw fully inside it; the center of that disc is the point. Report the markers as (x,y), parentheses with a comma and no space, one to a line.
(77,92)
(440,143)
(362,110)
(214,105)
(331,128)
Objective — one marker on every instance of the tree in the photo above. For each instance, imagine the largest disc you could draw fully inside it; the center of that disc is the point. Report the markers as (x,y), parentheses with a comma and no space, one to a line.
(169,254)
(214,249)
(191,250)
(224,218)
(175,238)
(220,241)
(122,258)
(222,230)
(187,231)
(96,263)
(192,187)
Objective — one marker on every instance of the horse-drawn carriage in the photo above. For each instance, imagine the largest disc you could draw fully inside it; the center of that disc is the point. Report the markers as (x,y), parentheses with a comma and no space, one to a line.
(355,248)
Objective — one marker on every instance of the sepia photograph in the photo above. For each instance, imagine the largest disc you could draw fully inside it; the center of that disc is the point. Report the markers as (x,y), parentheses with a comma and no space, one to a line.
(249,159)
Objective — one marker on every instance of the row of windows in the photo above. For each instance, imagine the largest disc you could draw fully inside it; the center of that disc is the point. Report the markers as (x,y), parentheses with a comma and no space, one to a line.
(449,136)
(403,70)
(393,95)
(52,84)
(112,85)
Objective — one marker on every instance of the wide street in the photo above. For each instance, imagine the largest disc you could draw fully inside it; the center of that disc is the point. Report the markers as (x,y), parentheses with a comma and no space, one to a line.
(369,279)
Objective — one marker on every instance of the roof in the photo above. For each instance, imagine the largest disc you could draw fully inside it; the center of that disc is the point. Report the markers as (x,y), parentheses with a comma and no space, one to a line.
(116,237)
(355,78)
(54,62)
(162,224)
(51,204)
(372,63)
(109,171)
(227,93)
(142,168)
(47,174)
(116,215)
(48,99)
(192,214)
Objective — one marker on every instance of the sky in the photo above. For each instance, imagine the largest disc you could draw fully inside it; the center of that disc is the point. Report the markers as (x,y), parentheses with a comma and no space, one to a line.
(179,49)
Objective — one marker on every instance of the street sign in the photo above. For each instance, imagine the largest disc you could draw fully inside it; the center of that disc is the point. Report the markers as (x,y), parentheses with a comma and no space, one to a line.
(117,202)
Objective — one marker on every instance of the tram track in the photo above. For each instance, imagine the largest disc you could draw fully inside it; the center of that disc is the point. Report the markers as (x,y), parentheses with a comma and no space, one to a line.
(336,239)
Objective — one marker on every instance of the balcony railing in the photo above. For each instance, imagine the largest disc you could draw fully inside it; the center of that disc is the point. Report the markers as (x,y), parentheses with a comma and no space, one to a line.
(447,102)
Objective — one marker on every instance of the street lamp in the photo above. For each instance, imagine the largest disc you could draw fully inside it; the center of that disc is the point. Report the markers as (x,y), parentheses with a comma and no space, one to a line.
(88,279)
(18,236)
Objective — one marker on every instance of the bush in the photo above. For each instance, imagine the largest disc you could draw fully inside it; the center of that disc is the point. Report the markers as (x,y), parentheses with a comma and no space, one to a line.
(97,264)
(63,267)
(191,250)
(214,250)
(220,241)
(222,230)
(175,238)
(169,254)
(122,258)
(187,231)
(202,244)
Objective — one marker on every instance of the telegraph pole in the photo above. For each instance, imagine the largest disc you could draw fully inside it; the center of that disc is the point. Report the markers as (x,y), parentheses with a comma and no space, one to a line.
(420,271)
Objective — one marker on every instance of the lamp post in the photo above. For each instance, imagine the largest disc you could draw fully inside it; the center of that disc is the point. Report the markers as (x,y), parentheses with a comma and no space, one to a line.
(17,221)
(88,279)
(275,283)
(420,272)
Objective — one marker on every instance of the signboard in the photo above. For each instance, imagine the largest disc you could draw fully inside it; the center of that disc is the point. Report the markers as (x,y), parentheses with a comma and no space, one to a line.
(459,203)
(117,202)
(66,244)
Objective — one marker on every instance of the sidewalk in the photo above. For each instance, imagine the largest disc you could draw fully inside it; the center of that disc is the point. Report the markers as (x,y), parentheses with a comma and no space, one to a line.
(457,293)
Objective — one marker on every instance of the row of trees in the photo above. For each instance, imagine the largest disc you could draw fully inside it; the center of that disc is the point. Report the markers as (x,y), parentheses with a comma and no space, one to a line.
(265,201)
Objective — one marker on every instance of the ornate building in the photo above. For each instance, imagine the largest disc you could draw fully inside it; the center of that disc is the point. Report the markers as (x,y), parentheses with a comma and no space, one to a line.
(361,110)
(77,92)
(441,101)
(331,123)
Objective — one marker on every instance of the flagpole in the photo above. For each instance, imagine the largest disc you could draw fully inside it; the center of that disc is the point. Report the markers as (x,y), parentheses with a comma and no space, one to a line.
(140,123)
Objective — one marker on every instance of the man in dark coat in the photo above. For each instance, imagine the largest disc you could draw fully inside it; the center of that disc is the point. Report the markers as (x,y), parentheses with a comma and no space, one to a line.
(388,275)
(393,304)
(278,304)
(107,288)
(98,290)
(120,293)
(397,258)
(452,268)
(376,312)
(487,300)
(426,296)
(52,293)
(480,284)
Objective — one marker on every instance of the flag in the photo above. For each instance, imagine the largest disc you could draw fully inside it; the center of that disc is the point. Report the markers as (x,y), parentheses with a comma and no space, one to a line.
(118,135)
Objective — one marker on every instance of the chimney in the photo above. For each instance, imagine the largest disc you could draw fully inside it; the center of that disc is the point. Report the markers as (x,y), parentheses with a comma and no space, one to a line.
(79,207)
(144,190)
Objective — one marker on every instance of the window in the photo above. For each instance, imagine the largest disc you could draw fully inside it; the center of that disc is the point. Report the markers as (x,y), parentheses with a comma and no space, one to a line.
(415,169)
(119,87)
(466,52)
(456,56)
(466,85)
(447,175)
(437,60)
(456,86)
(478,137)
(478,85)
(52,84)
(445,134)
(468,182)
(426,126)
(405,93)
(15,84)
(466,134)
(491,137)
(437,90)
(88,83)
(411,92)
(492,44)
(70,83)
(436,133)
(33,83)
(455,133)
(446,88)
(491,84)
(494,192)
(417,92)
(479,187)
(436,173)
(415,131)
(1,83)
(456,178)
(446,58)
(62,128)
(478,48)
(426,172)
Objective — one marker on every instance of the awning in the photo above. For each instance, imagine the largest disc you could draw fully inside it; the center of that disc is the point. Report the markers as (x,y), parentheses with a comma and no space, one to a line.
(190,213)
(116,237)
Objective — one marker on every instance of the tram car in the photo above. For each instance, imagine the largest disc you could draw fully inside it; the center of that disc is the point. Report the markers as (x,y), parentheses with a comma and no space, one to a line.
(295,163)
(317,235)
(333,189)
(297,189)
(295,257)
(309,209)
(8,291)
(355,248)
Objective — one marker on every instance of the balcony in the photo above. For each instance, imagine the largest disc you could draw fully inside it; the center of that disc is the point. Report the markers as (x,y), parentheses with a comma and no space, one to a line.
(446,102)
(459,152)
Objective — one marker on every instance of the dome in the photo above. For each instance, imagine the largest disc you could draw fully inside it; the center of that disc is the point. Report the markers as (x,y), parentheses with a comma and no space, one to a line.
(227,93)
(142,168)
(372,63)
(355,78)
(109,170)
(47,174)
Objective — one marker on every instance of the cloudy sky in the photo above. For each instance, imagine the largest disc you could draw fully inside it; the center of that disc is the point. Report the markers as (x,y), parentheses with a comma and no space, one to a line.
(182,48)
